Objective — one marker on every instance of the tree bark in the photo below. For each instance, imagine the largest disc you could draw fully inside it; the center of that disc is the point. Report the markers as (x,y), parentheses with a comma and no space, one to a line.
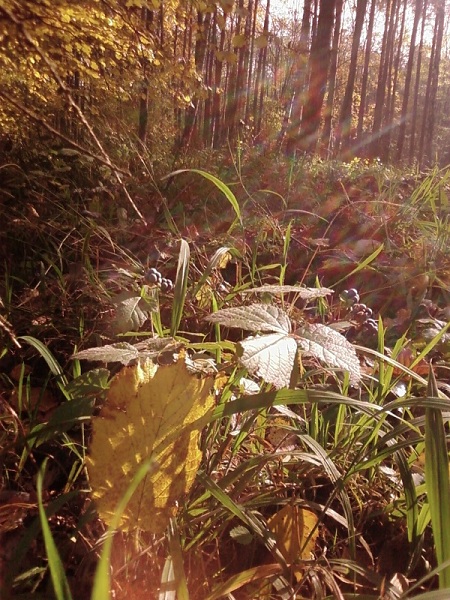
(345,118)
(319,63)
(404,118)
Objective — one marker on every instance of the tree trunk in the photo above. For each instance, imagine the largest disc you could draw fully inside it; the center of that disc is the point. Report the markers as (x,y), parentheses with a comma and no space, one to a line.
(293,110)
(408,77)
(392,89)
(147,18)
(328,141)
(319,61)
(429,117)
(345,118)
(383,72)
(365,77)
(414,113)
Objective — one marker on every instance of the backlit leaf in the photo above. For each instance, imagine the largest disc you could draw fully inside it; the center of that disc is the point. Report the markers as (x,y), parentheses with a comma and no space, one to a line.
(156,412)
(295,530)
(256,317)
(238,41)
(302,292)
(261,41)
(270,356)
(330,347)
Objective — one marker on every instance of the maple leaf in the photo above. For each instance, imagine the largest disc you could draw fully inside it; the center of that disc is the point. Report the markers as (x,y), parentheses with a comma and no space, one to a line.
(150,411)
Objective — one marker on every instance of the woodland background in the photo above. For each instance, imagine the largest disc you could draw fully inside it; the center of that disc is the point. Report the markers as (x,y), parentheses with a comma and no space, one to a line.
(162,162)
(339,78)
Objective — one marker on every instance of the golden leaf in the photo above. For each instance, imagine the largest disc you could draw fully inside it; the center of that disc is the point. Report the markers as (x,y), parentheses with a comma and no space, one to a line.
(292,527)
(149,411)
(239,40)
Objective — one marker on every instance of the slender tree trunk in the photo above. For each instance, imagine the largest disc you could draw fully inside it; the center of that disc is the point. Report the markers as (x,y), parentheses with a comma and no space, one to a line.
(328,140)
(258,98)
(365,77)
(345,118)
(383,72)
(408,77)
(250,86)
(389,119)
(294,106)
(415,111)
(319,61)
(147,18)
(203,23)
(217,124)
(430,112)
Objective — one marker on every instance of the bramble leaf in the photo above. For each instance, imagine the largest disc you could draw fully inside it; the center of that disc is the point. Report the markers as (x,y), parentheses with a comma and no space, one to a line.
(122,352)
(330,347)
(302,292)
(131,312)
(265,318)
(270,356)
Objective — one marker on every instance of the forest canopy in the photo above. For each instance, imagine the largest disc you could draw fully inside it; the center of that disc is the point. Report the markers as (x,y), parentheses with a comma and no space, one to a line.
(338,78)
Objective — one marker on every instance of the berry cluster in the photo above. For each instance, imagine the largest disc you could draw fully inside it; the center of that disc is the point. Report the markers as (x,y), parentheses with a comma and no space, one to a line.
(358,312)
(154,277)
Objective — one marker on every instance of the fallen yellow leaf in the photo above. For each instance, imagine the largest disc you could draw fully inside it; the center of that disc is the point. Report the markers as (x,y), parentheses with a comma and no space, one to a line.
(156,411)
(295,530)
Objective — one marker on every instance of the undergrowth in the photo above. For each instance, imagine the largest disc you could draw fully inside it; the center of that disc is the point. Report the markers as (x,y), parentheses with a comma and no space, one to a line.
(368,459)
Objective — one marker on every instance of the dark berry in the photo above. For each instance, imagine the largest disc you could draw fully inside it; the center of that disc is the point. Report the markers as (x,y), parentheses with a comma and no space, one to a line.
(350,296)
(166,285)
(152,276)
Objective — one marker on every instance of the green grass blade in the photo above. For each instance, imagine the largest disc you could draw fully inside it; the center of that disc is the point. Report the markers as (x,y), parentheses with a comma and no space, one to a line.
(181,283)
(219,184)
(437,482)
(212,264)
(176,554)
(102,582)
(58,575)
(51,361)
(362,265)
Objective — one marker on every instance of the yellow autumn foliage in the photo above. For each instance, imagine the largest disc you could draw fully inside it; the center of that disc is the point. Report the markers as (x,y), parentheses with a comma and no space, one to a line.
(150,411)
(295,530)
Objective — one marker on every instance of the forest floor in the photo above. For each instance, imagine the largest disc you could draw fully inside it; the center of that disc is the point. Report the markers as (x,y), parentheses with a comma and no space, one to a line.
(74,256)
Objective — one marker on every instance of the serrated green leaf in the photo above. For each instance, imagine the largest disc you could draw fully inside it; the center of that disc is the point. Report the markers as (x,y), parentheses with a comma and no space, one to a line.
(264,318)
(330,347)
(271,357)
(122,352)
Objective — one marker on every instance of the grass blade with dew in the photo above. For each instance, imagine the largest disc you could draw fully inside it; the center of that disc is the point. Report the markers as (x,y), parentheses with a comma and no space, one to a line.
(181,282)
(437,481)
(58,575)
